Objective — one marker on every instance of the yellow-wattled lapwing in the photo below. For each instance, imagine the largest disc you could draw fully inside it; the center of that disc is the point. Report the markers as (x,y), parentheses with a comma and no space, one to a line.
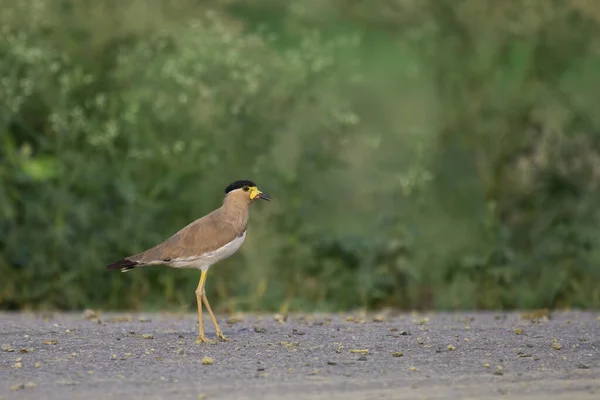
(203,243)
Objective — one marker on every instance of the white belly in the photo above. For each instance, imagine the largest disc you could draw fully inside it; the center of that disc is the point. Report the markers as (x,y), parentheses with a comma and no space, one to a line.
(206,260)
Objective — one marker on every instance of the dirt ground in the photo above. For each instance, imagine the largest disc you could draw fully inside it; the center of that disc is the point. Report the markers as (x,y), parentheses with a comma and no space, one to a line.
(311,356)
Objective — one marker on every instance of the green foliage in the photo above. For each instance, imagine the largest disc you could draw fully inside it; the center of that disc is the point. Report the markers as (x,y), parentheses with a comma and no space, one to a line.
(421,154)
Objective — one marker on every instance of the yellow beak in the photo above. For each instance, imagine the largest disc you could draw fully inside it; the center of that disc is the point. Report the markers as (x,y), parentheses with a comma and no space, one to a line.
(254,193)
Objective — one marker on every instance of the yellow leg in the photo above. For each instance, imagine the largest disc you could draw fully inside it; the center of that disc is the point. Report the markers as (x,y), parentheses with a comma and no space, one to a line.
(214,320)
(199,294)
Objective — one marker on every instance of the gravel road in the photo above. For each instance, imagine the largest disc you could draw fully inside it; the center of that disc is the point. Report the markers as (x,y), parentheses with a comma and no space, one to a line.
(312,356)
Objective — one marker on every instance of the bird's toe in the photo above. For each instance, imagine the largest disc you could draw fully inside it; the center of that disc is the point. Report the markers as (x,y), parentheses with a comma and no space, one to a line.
(203,339)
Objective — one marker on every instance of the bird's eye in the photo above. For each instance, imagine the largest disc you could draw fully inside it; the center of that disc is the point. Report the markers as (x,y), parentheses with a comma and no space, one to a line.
(245,188)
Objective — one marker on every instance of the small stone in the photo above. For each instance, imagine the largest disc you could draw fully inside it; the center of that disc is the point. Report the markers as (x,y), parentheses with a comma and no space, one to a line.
(519,331)
(451,347)
(148,336)
(379,318)
(50,342)
(37,365)
(486,365)
(363,351)
(362,358)
(90,372)
(499,370)
(397,354)
(412,369)
(17,365)
(180,351)
(331,363)
(556,346)
(207,360)
(234,319)
(583,366)
(259,329)
(537,315)
(280,318)
(90,314)
(67,331)
(7,347)
(17,387)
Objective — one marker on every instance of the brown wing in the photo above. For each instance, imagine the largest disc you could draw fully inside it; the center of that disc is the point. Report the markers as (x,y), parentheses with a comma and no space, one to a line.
(201,236)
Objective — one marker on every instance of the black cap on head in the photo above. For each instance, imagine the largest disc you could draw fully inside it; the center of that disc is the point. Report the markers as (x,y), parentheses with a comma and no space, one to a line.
(238,185)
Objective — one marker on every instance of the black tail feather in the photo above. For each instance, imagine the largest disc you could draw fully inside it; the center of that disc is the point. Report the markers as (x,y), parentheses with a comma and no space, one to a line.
(123,265)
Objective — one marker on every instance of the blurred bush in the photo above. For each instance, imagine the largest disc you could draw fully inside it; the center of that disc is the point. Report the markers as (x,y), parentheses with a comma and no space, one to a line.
(421,154)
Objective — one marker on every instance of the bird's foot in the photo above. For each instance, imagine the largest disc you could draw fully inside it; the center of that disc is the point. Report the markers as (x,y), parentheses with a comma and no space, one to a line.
(203,339)
(222,337)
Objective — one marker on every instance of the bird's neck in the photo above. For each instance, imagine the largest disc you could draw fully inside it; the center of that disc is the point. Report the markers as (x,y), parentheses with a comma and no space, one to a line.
(235,212)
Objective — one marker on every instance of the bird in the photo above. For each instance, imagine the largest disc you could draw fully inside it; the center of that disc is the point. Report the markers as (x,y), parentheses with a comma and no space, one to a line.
(203,243)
